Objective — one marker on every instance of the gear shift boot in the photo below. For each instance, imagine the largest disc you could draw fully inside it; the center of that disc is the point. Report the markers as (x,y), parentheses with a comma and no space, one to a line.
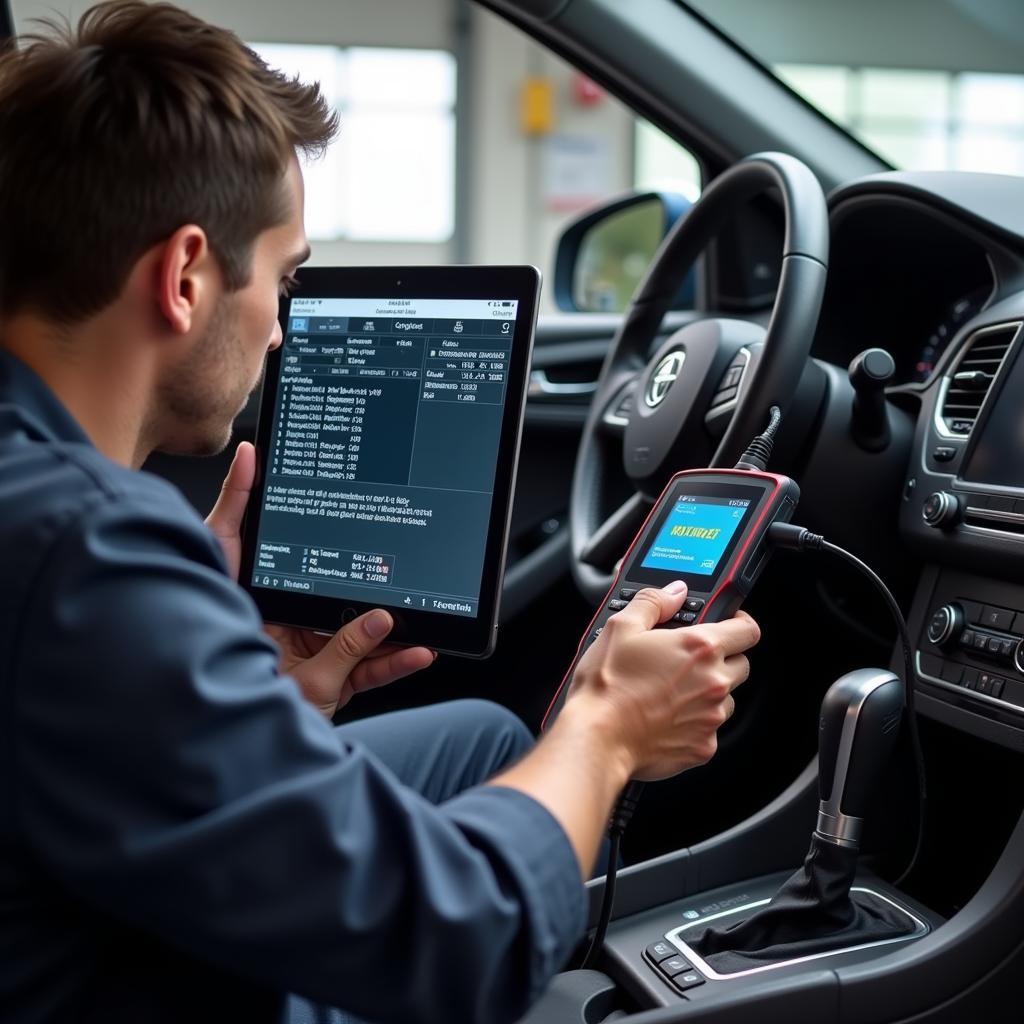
(817,911)
(814,912)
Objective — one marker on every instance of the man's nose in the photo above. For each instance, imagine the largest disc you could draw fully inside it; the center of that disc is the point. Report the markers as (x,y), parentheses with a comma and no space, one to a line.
(276,337)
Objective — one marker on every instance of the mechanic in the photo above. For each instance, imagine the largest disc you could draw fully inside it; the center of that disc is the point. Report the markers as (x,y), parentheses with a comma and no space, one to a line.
(184,835)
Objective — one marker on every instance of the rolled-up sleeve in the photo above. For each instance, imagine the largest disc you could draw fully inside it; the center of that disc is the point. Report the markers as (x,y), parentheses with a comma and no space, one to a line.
(170,776)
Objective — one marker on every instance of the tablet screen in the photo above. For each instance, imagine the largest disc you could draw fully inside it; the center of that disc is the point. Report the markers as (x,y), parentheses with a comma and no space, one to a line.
(380,462)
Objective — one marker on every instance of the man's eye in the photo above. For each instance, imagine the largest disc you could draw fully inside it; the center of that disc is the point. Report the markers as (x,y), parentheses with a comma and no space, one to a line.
(288,285)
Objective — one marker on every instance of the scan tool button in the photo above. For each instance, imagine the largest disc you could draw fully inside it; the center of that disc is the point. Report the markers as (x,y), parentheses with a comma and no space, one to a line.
(616,605)
(675,965)
(658,951)
(693,604)
(686,618)
(627,593)
(594,635)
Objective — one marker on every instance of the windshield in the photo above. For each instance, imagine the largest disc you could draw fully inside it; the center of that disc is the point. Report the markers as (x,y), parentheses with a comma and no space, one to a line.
(926,84)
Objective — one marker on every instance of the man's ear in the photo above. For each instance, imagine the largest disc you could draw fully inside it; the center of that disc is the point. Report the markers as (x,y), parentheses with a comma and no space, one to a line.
(183,273)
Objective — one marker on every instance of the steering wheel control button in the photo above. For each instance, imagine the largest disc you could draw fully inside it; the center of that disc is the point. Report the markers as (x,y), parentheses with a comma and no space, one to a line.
(693,604)
(656,952)
(691,979)
(946,623)
(996,618)
(941,510)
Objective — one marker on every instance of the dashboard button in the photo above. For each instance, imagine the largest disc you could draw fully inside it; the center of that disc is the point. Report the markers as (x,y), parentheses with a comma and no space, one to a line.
(658,951)
(1018,624)
(972,610)
(984,683)
(970,679)
(930,665)
(967,638)
(941,510)
(943,453)
(980,641)
(997,686)
(952,672)
(690,980)
(997,618)
(675,965)
(995,645)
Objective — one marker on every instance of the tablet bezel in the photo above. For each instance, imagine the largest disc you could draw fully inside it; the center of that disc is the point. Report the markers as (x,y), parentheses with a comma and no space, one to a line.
(444,632)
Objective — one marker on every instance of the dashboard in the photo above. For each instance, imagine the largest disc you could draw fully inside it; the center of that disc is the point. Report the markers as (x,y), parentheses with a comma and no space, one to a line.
(931,268)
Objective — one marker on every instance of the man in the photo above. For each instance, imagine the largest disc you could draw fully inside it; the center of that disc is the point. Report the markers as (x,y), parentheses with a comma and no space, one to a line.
(183,834)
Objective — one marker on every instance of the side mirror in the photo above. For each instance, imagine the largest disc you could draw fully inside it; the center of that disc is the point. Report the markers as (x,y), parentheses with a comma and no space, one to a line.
(602,255)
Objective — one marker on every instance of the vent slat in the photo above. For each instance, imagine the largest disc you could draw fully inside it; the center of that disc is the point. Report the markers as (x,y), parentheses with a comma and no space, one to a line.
(982,354)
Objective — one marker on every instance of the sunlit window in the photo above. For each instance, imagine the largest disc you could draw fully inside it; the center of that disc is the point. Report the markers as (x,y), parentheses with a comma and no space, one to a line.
(390,176)
(662,165)
(922,120)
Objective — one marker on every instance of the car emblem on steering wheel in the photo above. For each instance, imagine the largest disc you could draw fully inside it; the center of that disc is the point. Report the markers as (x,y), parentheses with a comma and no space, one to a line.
(664,376)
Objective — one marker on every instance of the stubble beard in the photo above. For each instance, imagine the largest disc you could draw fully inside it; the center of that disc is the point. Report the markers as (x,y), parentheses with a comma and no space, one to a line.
(208,390)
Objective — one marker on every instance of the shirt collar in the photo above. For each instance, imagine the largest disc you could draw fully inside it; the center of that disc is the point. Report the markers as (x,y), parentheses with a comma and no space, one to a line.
(26,400)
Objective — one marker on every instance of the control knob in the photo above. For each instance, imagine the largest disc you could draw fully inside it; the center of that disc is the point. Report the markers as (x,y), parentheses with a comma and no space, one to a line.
(945,625)
(941,509)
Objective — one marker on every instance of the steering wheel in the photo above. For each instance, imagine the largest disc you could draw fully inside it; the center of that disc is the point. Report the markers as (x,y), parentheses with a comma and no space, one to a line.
(704,394)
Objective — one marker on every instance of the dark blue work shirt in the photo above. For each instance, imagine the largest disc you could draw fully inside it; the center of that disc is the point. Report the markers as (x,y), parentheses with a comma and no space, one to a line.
(182,837)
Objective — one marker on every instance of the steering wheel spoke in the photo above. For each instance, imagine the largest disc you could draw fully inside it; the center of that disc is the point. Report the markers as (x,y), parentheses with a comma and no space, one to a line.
(610,540)
(615,417)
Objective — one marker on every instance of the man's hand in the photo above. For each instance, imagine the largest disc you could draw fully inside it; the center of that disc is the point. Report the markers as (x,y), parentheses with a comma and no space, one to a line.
(645,703)
(329,669)
(669,689)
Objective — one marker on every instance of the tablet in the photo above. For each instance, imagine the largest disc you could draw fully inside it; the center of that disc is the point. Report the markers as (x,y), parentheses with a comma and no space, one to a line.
(387,444)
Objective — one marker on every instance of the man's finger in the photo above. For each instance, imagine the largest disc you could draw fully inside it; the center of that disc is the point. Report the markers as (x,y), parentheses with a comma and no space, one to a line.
(227,514)
(353,642)
(651,606)
(733,636)
(378,671)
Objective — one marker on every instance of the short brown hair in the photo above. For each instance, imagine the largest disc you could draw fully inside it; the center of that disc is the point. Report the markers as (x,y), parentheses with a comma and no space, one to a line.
(115,133)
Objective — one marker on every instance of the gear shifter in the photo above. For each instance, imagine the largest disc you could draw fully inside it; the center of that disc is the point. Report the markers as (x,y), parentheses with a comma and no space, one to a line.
(814,911)
(860,720)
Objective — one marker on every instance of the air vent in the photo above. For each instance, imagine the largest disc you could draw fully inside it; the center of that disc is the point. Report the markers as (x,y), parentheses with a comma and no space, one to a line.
(972,376)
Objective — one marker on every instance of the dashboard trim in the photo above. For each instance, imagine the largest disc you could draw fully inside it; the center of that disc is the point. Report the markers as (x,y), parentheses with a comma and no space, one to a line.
(984,697)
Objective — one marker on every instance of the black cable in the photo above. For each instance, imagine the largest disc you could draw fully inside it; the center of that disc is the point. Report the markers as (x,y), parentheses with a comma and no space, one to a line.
(759,451)
(797,538)
(621,815)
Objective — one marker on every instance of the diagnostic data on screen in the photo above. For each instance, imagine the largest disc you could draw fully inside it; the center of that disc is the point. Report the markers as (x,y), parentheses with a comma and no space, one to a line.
(696,534)
(382,454)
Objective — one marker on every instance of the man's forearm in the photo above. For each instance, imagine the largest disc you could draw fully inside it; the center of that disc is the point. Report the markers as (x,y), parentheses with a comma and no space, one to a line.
(577,772)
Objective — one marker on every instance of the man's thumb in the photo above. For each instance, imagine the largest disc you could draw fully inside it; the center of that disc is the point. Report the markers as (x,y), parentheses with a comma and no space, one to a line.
(355,640)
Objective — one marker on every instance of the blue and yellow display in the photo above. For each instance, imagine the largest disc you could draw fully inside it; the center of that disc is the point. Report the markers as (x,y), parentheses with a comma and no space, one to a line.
(696,534)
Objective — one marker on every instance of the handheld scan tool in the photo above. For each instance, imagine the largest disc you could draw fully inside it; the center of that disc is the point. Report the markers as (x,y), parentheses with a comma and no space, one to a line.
(708,528)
